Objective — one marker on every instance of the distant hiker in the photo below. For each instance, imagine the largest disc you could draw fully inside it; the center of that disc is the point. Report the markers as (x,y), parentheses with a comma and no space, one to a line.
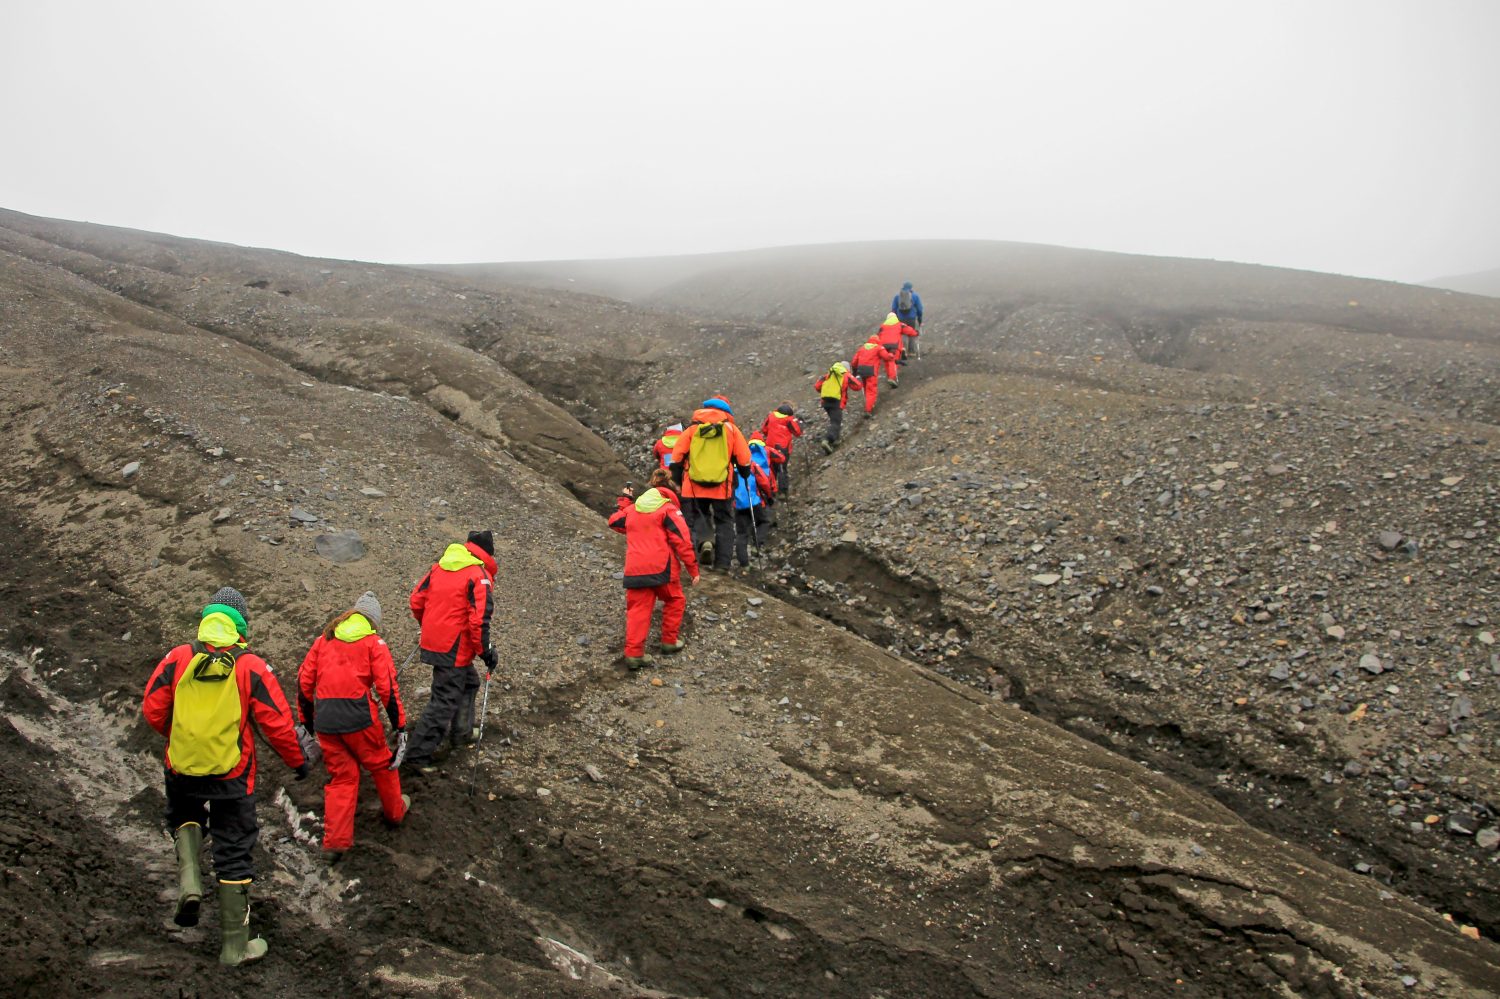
(907,305)
(833,389)
(203,697)
(665,443)
(702,462)
(453,603)
(890,337)
(656,540)
(866,366)
(752,499)
(780,429)
(345,678)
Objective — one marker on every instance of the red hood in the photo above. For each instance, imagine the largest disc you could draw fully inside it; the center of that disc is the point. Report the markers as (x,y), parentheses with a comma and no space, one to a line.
(483,556)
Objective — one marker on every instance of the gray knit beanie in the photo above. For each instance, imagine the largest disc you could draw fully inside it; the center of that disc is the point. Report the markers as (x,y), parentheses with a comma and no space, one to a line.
(369,607)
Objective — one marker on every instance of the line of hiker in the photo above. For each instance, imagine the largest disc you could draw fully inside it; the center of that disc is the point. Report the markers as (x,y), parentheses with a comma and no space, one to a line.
(208,697)
(712,495)
(707,504)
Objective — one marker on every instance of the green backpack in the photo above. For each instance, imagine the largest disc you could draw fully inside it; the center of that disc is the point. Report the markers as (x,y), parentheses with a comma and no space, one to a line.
(206,716)
(708,455)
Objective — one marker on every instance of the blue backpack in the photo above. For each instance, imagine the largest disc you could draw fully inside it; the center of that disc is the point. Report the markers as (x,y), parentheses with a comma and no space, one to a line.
(746,492)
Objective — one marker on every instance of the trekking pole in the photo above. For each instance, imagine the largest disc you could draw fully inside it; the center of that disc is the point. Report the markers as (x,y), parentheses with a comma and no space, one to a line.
(407,661)
(484,710)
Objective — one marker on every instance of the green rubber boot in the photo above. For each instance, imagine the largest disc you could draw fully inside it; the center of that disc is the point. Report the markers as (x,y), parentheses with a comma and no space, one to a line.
(234,923)
(189,874)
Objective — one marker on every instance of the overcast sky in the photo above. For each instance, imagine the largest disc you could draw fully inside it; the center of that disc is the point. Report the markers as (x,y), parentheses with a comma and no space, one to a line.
(1359,137)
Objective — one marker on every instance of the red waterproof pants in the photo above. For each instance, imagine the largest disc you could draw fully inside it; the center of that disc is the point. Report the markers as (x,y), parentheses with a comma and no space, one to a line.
(872,388)
(344,754)
(891,371)
(639,603)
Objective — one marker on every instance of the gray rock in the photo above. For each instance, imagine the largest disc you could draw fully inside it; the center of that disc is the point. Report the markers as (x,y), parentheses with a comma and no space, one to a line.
(1463,824)
(303,516)
(130,470)
(583,640)
(222,514)
(1462,708)
(1370,663)
(340,546)
(1353,768)
(371,492)
(1164,497)
(1389,540)
(755,601)
(1281,672)
(1487,839)
(1046,578)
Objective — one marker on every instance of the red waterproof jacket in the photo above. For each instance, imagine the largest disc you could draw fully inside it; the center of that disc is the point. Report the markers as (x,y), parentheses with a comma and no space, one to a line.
(345,677)
(889,337)
(779,430)
(739,455)
(663,447)
(656,539)
(846,382)
(261,701)
(867,359)
(453,603)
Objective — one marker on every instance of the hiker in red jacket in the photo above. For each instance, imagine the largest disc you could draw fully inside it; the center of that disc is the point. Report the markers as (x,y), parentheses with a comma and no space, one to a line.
(664,444)
(703,461)
(866,367)
(833,389)
(896,338)
(656,540)
(889,336)
(345,675)
(780,429)
(204,697)
(453,603)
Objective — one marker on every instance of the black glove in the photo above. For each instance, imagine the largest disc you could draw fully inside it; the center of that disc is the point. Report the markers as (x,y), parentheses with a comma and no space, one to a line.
(302,770)
(676,470)
(490,660)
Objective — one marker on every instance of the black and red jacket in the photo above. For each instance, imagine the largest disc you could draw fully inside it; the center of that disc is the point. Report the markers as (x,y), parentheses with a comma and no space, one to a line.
(656,539)
(778,431)
(453,603)
(867,359)
(261,701)
(345,678)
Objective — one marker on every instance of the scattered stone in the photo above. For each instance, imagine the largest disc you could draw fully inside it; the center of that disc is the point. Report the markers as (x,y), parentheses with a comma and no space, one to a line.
(1046,578)
(1487,839)
(1281,672)
(1370,663)
(130,470)
(595,774)
(1463,824)
(371,492)
(1335,632)
(849,537)
(222,514)
(755,601)
(1274,470)
(340,547)
(1389,540)
(303,516)
(1353,768)
(583,640)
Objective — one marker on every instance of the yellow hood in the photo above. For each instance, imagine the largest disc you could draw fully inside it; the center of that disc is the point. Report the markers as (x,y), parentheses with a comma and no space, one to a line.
(651,501)
(353,628)
(458,557)
(891,320)
(219,631)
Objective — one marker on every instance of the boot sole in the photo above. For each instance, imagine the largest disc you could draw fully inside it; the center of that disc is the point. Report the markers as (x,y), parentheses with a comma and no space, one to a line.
(187,912)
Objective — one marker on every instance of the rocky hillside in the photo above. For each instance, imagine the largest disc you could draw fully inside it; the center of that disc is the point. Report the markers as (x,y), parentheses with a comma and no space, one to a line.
(811,800)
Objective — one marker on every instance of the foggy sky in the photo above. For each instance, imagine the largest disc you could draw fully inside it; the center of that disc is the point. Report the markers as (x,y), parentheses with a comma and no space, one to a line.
(1358,137)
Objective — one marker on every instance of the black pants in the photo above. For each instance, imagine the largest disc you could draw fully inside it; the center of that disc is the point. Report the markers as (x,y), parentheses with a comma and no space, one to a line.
(712,519)
(781,472)
(835,410)
(230,822)
(757,519)
(450,711)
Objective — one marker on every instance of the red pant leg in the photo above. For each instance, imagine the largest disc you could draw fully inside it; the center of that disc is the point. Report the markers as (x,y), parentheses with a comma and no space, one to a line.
(638,606)
(340,793)
(872,388)
(891,371)
(368,745)
(673,603)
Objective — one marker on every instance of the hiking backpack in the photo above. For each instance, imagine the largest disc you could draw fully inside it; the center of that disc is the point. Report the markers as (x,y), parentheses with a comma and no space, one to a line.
(708,455)
(905,300)
(833,385)
(206,715)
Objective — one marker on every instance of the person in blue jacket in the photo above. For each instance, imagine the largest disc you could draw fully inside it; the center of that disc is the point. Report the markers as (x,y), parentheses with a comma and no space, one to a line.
(753,495)
(907,305)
